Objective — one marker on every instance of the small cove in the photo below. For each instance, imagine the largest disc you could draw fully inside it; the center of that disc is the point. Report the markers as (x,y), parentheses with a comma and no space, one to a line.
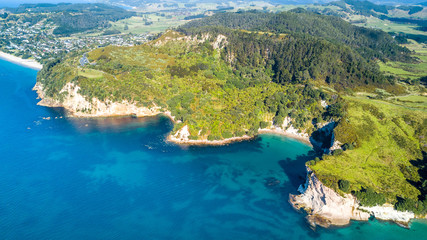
(117,178)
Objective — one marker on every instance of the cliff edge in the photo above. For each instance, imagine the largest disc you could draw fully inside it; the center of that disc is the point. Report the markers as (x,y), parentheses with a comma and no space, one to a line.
(78,106)
(326,208)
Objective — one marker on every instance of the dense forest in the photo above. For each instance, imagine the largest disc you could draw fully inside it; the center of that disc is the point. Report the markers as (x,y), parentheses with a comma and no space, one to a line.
(294,59)
(370,43)
(363,7)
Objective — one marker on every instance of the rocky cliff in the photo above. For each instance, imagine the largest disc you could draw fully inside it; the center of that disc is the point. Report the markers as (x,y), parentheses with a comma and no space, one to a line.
(79,106)
(324,206)
(327,208)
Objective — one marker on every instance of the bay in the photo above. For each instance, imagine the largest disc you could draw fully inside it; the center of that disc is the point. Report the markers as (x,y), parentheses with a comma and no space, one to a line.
(117,178)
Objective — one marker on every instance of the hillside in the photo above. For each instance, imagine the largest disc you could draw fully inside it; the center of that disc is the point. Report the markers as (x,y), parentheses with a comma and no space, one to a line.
(218,83)
(384,143)
(222,101)
(72,18)
(401,21)
(273,75)
(370,43)
(367,8)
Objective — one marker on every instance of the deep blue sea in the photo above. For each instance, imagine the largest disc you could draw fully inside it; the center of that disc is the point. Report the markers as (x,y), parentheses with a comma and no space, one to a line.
(117,178)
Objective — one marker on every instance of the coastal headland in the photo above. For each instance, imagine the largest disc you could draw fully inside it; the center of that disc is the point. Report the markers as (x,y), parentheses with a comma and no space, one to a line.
(217,91)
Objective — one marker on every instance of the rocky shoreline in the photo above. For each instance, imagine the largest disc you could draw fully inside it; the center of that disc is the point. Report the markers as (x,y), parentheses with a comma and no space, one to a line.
(78,106)
(326,208)
(182,136)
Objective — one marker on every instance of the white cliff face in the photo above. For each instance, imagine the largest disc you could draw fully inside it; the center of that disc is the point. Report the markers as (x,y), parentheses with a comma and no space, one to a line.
(182,135)
(337,145)
(297,133)
(388,213)
(78,106)
(219,43)
(289,129)
(324,206)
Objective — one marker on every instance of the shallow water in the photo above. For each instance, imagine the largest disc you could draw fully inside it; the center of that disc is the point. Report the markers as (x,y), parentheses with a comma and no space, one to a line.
(117,178)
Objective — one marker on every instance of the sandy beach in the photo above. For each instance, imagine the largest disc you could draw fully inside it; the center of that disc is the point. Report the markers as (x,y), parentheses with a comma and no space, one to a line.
(300,138)
(30,63)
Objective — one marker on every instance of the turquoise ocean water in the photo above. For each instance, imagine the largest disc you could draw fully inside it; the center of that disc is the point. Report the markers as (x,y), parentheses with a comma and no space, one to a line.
(117,178)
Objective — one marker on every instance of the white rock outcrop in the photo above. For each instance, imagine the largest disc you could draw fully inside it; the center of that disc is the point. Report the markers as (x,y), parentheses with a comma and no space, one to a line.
(79,106)
(388,213)
(324,206)
(219,43)
(182,135)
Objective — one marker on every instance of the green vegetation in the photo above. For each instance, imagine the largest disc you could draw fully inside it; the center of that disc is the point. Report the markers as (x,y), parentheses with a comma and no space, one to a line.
(405,22)
(363,7)
(74,18)
(243,65)
(344,185)
(369,198)
(222,102)
(224,82)
(387,137)
(409,71)
(149,22)
(90,73)
(369,43)
(417,207)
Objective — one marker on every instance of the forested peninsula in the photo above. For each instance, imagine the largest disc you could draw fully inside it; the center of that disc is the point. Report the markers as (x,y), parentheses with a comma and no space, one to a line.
(233,74)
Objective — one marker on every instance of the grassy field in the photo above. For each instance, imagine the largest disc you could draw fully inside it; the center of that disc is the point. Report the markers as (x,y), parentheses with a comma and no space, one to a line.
(136,25)
(387,138)
(173,19)
(387,26)
(409,70)
(412,101)
(90,73)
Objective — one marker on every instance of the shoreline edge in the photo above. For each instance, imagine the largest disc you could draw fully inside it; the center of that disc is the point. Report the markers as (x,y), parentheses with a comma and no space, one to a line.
(29,63)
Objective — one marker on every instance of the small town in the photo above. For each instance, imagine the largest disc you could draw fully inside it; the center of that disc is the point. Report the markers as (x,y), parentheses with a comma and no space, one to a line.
(38,42)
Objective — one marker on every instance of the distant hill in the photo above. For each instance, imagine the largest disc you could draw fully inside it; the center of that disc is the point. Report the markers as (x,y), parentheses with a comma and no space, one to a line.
(73,18)
(371,9)
(369,42)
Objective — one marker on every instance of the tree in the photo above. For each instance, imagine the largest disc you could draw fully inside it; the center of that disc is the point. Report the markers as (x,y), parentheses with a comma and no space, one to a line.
(369,197)
(344,185)
(336,110)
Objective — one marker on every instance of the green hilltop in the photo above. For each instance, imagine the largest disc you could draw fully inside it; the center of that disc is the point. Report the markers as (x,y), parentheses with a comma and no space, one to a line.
(233,73)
